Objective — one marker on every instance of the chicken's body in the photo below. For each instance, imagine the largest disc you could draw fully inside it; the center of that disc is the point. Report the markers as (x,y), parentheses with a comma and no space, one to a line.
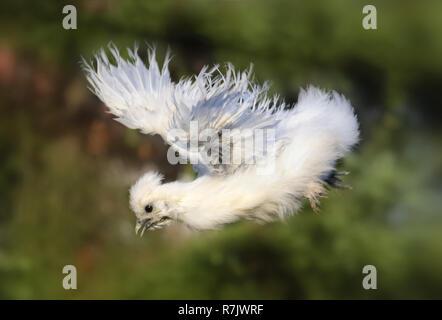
(310,137)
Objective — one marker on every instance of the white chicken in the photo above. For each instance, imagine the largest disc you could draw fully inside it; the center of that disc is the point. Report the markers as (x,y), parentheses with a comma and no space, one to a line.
(286,153)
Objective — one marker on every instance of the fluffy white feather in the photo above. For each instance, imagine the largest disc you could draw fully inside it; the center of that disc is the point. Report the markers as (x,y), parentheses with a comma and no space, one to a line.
(144,97)
(310,137)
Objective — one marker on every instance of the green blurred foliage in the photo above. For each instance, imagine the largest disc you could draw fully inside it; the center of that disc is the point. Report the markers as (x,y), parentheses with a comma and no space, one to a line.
(65,166)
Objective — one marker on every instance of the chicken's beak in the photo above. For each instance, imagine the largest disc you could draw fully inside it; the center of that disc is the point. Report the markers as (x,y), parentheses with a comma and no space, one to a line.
(140,224)
(137,226)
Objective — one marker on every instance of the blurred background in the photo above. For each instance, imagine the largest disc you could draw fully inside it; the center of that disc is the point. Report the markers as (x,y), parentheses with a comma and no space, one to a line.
(66,166)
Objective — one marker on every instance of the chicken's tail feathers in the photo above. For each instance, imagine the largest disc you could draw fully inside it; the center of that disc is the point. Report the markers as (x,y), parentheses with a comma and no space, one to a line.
(328,112)
(323,128)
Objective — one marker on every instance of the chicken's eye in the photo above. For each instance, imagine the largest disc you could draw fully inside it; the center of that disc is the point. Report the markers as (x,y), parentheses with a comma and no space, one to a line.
(148,208)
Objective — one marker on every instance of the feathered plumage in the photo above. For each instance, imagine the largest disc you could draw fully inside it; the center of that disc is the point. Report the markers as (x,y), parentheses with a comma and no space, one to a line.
(305,140)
